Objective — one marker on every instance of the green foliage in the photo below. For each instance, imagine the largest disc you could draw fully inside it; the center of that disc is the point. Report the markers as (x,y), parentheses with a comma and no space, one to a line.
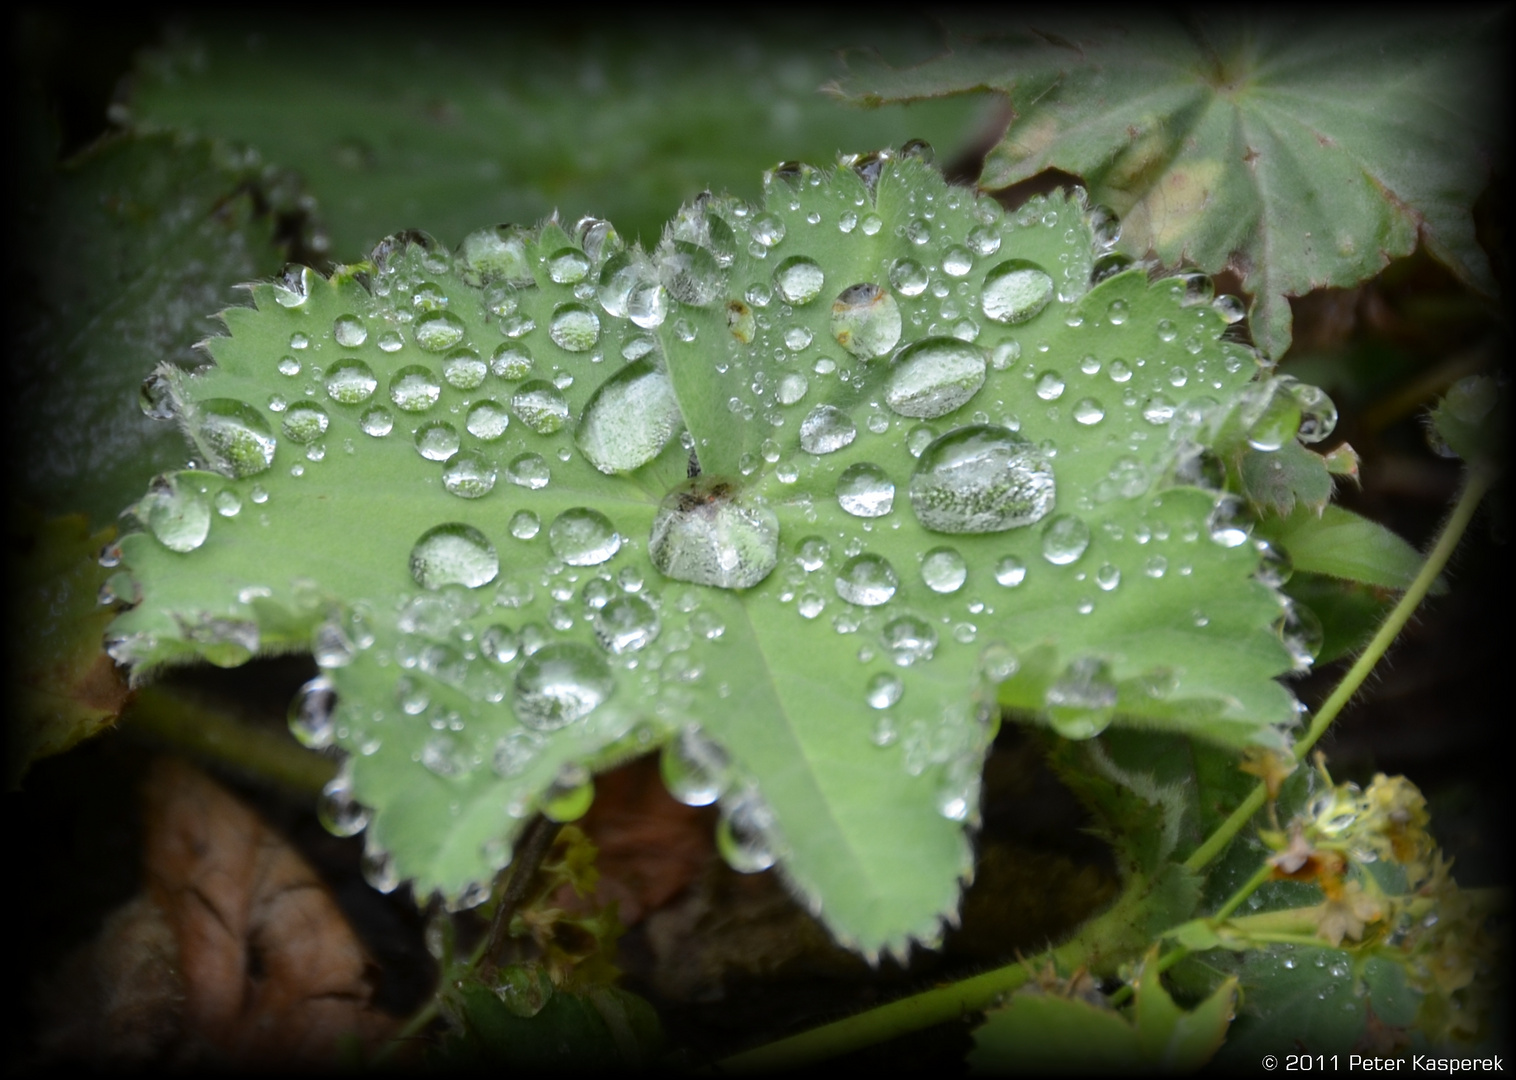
(1296,154)
(458,482)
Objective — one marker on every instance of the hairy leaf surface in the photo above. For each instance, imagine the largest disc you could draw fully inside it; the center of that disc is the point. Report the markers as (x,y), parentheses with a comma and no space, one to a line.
(461,482)
(1353,136)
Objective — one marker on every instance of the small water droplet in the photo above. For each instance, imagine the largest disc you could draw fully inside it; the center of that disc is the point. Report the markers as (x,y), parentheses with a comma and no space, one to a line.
(376,422)
(883,690)
(908,640)
(529,471)
(525,525)
(944,570)
(1064,539)
(574,327)
(583,537)
(1108,577)
(1082,702)
(865,490)
(235,437)
(908,277)
(1010,571)
(1088,411)
(696,771)
(744,834)
(541,406)
(349,331)
(305,422)
(826,429)
(867,580)
(414,389)
(311,714)
(438,331)
(437,440)
(469,475)
(1050,386)
(176,512)
(957,262)
(625,624)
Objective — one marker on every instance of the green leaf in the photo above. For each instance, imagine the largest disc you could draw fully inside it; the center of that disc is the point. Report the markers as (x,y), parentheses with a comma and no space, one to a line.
(1039,1032)
(443,123)
(1298,154)
(1279,481)
(1349,612)
(1341,544)
(139,239)
(1470,421)
(554,596)
(562,1029)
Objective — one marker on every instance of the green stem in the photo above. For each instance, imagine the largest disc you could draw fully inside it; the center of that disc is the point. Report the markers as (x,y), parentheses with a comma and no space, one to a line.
(1101,943)
(1235,900)
(1475,486)
(193,727)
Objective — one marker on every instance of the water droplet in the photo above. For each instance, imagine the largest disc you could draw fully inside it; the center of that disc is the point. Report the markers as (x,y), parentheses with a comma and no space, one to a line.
(1010,571)
(744,834)
(1088,411)
(414,389)
(235,437)
(872,223)
(944,570)
(156,398)
(812,553)
(499,644)
(629,419)
(792,387)
(883,690)
(1050,386)
(338,811)
(1302,634)
(529,471)
(708,533)
(376,422)
(798,279)
(350,382)
(228,504)
(867,580)
(570,795)
(469,475)
(866,320)
(438,331)
(453,554)
(981,479)
(1158,409)
(305,422)
(626,624)
(541,406)
(1108,577)
(908,277)
(574,327)
(1166,330)
(957,262)
(560,684)
(934,376)
(690,273)
(391,341)
(177,512)
(1015,291)
(511,362)
(695,770)
(349,331)
(1275,567)
(487,420)
(1228,524)
(957,795)
(909,639)
(1082,702)
(311,714)
(826,429)
(437,440)
(1274,416)
(865,490)
(568,266)
(583,537)
(1064,539)
(1318,413)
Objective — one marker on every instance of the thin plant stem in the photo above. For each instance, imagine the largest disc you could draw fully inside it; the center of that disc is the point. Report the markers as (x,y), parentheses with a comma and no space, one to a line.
(1475,486)
(536,842)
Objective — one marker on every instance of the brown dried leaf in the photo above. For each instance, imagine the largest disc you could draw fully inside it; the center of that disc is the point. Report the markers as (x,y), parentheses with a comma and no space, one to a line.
(272,973)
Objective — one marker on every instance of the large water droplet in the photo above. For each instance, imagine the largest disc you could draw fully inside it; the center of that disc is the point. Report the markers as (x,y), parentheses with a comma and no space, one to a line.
(867,580)
(453,554)
(1275,418)
(349,331)
(377,422)
(799,279)
(570,795)
(177,511)
(792,387)
(464,370)
(981,479)
(908,640)
(574,327)
(469,475)
(234,436)
(559,684)
(629,419)
(865,490)
(511,362)
(583,537)
(1015,291)
(708,533)
(944,570)
(529,471)
(438,331)
(909,277)
(1228,524)
(497,253)
(541,406)
(1318,413)
(826,429)
(414,389)
(1082,702)
(866,320)
(568,266)
(1064,539)
(934,376)
(305,422)
(350,382)
(695,770)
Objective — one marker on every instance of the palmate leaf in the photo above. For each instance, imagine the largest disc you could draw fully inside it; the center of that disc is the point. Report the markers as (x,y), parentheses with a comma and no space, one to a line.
(1299,152)
(461,482)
